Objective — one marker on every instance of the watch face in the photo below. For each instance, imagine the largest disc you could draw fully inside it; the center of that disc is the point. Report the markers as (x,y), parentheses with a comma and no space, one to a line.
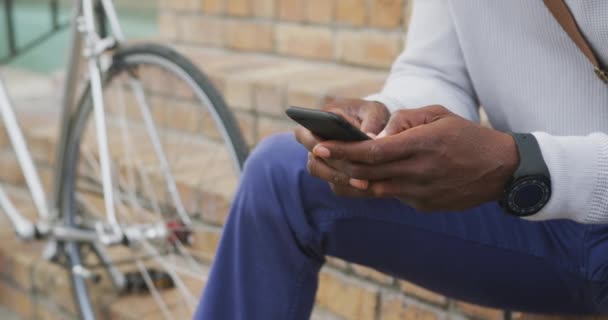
(528,195)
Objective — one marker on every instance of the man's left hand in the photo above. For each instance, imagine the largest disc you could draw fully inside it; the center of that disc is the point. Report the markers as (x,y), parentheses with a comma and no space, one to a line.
(429,158)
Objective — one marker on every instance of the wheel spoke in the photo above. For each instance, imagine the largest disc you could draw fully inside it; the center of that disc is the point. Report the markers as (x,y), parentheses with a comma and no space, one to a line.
(152,288)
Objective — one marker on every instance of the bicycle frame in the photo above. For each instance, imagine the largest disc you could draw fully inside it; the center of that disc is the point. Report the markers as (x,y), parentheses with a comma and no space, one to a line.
(85,41)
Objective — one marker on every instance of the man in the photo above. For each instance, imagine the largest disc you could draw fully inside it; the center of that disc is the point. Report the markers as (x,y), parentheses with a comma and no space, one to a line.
(421,201)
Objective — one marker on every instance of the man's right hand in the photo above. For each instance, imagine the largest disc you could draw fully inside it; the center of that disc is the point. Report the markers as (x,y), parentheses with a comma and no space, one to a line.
(370,117)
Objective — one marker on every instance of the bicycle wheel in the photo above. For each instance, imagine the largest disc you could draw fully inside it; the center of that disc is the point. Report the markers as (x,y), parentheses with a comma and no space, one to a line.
(176,152)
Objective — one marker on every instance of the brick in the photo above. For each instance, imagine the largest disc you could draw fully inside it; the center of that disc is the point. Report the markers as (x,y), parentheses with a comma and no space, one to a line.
(214,204)
(133,307)
(395,307)
(372,274)
(248,125)
(321,314)
(351,12)
(198,30)
(368,48)
(10,172)
(270,93)
(320,11)
(479,312)
(421,293)
(240,8)
(359,89)
(43,144)
(311,91)
(179,5)
(292,10)
(250,36)
(269,126)
(189,194)
(16,299)
(17,261)
(346,296)
(45,310)
(304,41)
(269,98)
(218,64)
(205,242)
(180,115)
(167,24)
(264,8)
(387,13)
(212,6)
(239,88)
(52,281)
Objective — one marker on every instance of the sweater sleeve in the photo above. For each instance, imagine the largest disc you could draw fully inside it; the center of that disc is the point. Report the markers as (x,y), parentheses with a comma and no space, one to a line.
(432,69)
(579,177)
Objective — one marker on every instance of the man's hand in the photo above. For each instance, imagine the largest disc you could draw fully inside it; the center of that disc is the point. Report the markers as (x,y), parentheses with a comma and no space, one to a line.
(429,158)
(369,117)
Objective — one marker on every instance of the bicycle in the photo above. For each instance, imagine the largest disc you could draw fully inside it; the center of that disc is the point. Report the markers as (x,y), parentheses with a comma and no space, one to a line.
(119,184)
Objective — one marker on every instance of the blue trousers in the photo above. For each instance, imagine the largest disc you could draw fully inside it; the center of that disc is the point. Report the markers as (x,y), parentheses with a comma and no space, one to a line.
(284,222)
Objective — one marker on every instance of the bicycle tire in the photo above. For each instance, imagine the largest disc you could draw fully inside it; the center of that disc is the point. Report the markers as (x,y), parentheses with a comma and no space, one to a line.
(233,138)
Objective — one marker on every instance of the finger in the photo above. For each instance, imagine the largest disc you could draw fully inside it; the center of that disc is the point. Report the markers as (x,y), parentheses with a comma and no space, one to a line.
(350,192)
(410,118)
(355,121)
(319,169)
(412,194)
(306,138)
(409,169)
(388,149)
(374,119)
(359,184)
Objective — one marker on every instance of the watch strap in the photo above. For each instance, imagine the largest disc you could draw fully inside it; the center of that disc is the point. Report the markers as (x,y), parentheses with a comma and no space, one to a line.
(531,158)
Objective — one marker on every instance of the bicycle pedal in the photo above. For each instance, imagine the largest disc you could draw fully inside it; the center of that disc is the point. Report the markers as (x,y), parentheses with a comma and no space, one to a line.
(136,283)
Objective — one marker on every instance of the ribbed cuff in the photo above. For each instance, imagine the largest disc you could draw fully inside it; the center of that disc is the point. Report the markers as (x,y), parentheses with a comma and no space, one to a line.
(598,210)
(579,178)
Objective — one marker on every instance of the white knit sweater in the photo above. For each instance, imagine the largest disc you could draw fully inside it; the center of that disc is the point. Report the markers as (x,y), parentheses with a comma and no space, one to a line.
(512,57)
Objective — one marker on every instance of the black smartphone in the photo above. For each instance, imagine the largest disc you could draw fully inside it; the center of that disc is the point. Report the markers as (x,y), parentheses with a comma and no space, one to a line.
(326,125)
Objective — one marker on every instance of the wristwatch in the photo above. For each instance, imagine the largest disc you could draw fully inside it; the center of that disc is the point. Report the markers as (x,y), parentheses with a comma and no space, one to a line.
(530,188)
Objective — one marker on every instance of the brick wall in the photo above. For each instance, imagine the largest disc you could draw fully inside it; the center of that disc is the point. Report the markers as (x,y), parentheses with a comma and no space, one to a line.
(364,33)
(267,54)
